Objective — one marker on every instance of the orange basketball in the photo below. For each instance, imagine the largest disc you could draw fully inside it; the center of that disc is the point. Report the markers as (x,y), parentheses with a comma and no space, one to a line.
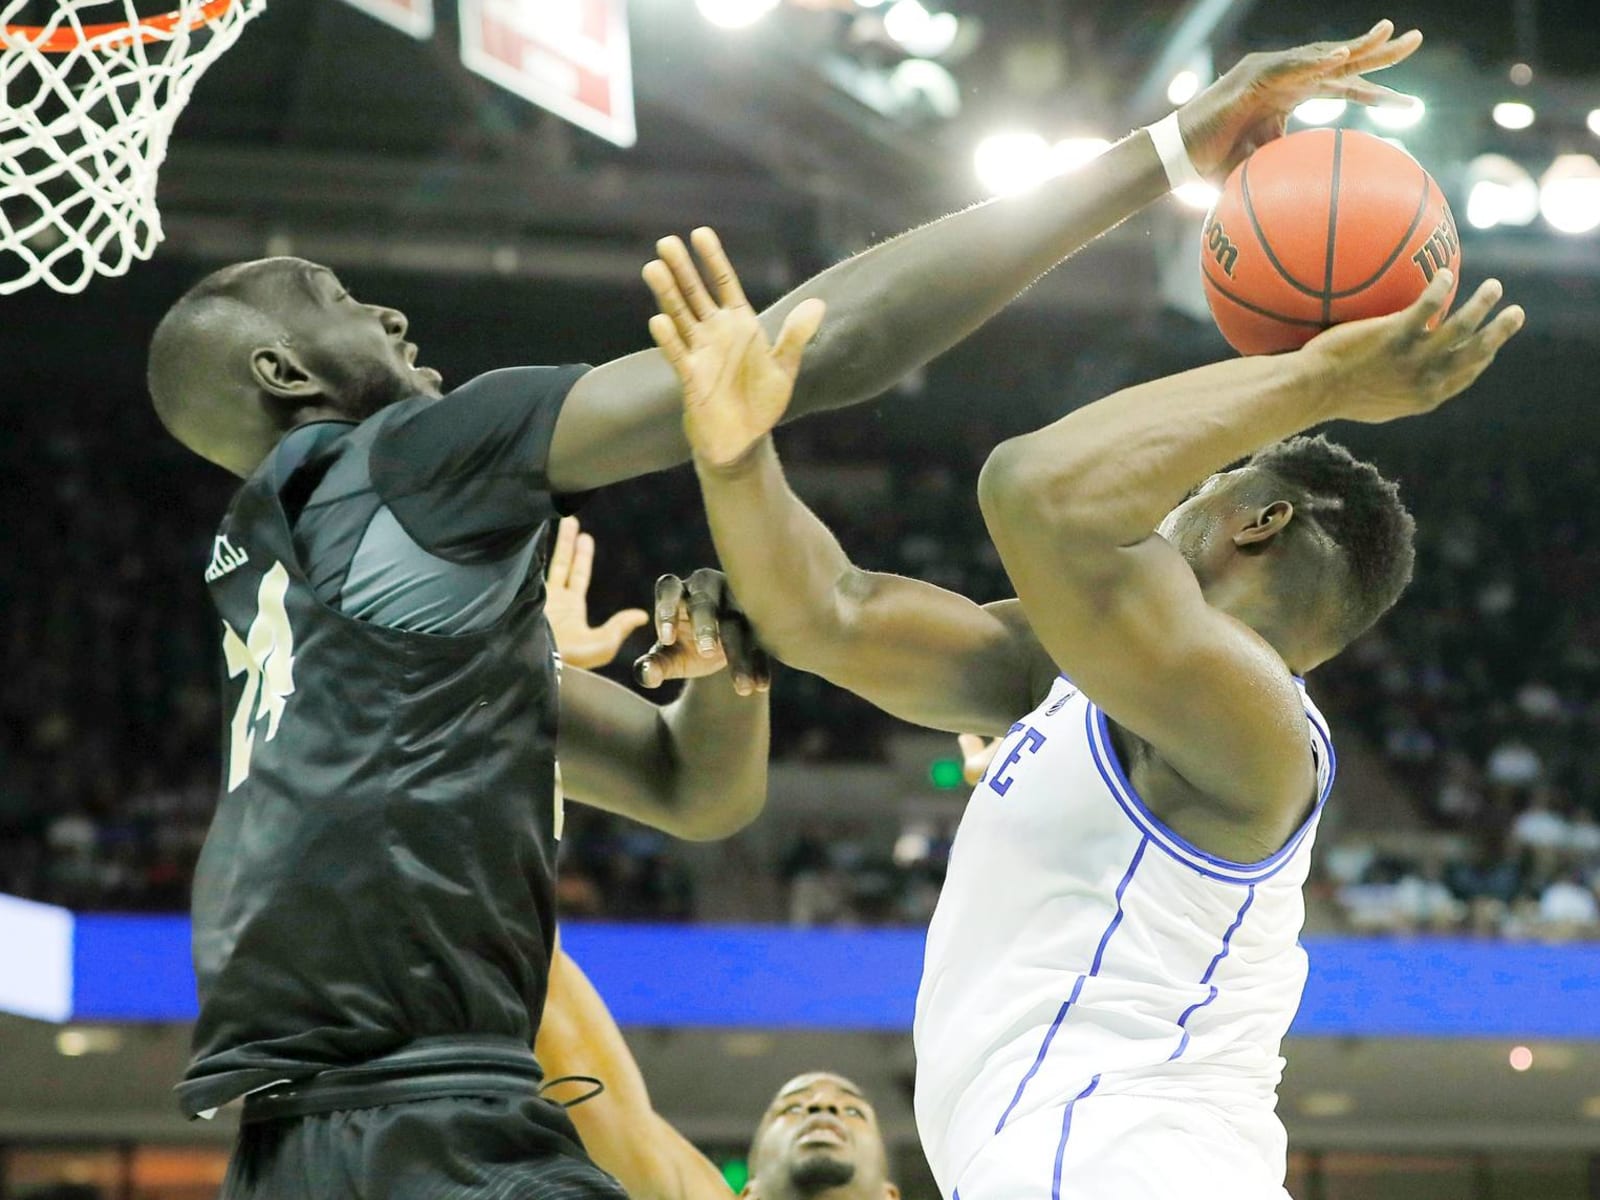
(1317,228)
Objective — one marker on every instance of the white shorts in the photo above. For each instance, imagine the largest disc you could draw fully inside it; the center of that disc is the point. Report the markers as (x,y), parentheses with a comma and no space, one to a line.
(1128,1148)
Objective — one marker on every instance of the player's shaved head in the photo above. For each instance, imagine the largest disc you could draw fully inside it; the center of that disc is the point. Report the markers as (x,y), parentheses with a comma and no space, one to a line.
(258,347)
(819,1138)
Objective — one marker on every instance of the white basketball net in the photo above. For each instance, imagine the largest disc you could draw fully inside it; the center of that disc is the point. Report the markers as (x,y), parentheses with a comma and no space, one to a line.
(85,115)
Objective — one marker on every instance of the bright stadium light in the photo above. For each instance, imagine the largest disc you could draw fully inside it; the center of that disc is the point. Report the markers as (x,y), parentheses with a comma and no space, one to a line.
(920,32)
(1321,110)
(1500,191)
(1008,163)
(1513,114)
(1594,121)
(1403,113)
(1199,196)
(1569,194)
(1071,153)
(735,14)
(1185,84)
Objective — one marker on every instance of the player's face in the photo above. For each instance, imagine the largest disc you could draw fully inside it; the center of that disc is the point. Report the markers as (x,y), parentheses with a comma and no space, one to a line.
(820,1137)
(359,349)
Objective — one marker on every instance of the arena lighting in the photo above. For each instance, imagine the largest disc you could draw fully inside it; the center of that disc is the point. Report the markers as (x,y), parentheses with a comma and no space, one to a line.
(1513,114)
(1594,121)
(1569,194)
(1521,1058)
(1008,163)
(1183,87)
(1521,74)
(735,14)
(1320,111)
(1071,153)
(1402,114)
(1500,191)
(920,32)
(918,77)
(1199,196)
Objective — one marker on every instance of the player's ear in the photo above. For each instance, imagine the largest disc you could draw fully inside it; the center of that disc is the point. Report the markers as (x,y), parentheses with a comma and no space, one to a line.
(1264,525)
(278,371)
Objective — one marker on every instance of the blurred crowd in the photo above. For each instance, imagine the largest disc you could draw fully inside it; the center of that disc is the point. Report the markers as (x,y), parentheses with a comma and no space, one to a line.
(1481,692)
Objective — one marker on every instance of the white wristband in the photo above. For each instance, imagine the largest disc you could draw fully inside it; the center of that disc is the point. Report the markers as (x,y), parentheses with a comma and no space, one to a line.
(1173,153)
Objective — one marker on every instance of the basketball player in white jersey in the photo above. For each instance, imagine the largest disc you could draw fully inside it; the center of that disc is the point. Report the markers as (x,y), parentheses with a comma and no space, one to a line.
(1115,958)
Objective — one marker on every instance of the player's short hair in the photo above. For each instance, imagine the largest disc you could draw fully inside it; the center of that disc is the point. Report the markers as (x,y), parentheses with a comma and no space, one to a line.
(1348,503)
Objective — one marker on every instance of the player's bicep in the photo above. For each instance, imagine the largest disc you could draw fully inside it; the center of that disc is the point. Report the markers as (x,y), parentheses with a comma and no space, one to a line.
(930,656)
(1132,629)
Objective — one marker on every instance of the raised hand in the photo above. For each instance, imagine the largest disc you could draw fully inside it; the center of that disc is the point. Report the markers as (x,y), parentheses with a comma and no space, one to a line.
(699,631)
(566,604)
(976,755)
(1414,360)
(1250,105)
(736,384)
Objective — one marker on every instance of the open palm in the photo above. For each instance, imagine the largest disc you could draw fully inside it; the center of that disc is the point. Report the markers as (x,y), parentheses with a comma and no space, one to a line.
(736,383)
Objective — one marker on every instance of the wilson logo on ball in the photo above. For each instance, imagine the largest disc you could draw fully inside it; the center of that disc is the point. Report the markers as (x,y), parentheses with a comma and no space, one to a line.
(1221,248)
(1439,249)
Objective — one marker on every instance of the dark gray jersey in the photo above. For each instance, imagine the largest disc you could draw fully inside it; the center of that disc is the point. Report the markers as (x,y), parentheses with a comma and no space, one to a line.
(380,866)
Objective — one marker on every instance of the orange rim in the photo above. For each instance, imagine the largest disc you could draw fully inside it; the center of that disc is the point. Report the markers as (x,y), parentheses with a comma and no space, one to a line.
(151,29)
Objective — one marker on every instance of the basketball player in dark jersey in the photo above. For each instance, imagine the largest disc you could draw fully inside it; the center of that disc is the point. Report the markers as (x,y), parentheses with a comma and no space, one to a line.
(372,911)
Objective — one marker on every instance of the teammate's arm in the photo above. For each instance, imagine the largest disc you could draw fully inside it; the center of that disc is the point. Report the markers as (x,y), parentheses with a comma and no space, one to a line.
(920,652)
(620,1127)
(899,304)
(695,768)
(1072,509)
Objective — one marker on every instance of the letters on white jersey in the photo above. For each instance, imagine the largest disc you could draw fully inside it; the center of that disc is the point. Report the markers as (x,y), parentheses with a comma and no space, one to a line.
(1080,946)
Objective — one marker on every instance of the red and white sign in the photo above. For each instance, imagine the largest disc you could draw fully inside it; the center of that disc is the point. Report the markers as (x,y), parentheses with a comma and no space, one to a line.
(568,56)
(409,16)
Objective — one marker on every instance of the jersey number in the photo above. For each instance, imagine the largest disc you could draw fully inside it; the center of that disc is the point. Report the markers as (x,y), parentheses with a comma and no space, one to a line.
(266,659)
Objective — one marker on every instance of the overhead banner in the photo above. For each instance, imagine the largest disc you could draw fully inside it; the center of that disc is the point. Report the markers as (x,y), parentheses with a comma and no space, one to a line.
(568,56)
(409,16)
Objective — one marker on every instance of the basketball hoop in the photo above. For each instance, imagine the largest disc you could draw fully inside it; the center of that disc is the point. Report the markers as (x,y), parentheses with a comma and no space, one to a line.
(87,104)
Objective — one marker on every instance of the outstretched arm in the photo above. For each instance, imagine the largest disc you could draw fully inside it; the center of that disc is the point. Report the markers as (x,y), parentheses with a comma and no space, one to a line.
(900,304)
(620,1127)
(1073,507)
(920,652)
(695,768)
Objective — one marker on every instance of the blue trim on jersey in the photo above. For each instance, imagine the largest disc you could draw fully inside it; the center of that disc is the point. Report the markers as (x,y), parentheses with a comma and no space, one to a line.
(1066,1132)
(1077,988)
(1173,843)
(1183,1021)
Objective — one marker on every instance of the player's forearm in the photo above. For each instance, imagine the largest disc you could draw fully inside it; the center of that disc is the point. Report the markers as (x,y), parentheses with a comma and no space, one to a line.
(1108,473)
(784,565)
(717,742)
(906,301)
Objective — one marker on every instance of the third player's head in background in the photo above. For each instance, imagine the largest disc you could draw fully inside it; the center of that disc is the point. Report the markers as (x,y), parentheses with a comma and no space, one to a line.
(259,347)
(1304,543)
(819,1138)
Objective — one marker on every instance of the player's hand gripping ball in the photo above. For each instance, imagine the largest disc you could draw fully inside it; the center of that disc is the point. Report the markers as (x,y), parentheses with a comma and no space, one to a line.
(1319,228)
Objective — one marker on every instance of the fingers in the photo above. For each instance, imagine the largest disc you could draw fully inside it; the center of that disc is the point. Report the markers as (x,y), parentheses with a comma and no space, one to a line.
(730,294)
(799,327)
(652,668)
(1362,91)
(976,754)
(669,596)
(563,552)
(761,669)
(1386,52)
(738,644)
(1431,304)
(1466,320)
(665,333)
(676,255)
(582,564)
(705,607)
(670,300)
(620,624)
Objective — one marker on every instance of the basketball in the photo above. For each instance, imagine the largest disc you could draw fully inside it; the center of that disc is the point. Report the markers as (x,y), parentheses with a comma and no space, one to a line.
(1318,228)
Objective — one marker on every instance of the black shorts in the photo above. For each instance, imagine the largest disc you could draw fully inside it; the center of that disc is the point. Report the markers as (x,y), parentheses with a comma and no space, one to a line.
(475,1148)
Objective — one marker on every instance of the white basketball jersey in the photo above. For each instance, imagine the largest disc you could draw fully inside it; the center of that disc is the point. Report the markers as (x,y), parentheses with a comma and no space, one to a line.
(1081,947)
